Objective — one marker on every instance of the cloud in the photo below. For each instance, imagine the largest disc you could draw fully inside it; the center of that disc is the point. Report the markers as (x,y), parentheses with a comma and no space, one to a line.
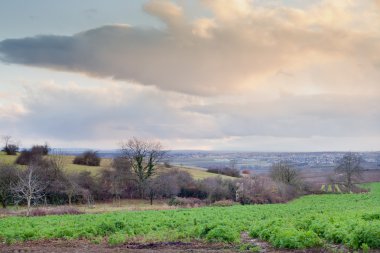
(72,112)
(304,116)
(170,13)
(242,44)
(101,114)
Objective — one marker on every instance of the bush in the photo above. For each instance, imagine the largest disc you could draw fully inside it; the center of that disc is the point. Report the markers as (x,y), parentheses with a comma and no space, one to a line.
(218,188)
(225,171)
(8,177)
(33,155)
(192,191)
(11,149)
(89,158)
(262,190)
(171,183)
(27,157)
(40,149)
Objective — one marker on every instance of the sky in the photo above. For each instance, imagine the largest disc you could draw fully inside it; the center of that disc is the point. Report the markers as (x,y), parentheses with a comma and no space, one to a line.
(244,75)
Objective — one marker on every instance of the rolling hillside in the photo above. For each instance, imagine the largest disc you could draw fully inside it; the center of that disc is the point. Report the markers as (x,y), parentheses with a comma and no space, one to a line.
(105,162)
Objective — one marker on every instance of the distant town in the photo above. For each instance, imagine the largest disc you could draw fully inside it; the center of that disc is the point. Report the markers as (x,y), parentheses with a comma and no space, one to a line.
(255,161)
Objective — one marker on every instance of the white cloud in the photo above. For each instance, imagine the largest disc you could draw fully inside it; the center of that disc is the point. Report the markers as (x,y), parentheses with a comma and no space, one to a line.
(242,44)
(113,112)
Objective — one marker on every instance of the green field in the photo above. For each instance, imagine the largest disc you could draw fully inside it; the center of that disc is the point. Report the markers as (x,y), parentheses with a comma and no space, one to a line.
(308,222)
(7,159)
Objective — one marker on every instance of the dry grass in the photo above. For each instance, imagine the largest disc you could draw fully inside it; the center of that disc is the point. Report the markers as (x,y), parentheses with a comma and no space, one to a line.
(101,207)
(125,205)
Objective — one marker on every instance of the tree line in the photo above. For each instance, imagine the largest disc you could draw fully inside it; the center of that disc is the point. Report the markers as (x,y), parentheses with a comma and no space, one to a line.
(135,174)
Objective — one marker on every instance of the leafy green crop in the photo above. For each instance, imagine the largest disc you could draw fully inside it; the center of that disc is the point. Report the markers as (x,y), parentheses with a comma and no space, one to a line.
(311,221)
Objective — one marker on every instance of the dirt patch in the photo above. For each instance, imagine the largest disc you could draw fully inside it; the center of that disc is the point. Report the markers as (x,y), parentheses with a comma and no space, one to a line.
(81,246)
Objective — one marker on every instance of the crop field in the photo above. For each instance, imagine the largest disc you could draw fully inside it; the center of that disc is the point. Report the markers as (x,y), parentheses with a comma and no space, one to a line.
(309,222)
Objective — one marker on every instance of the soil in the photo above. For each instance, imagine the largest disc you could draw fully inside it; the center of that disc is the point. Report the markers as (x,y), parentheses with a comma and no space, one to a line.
(81,246)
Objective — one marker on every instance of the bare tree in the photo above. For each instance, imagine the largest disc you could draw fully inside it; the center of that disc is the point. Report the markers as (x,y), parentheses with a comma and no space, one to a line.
(284,172)
(255,189)
(143,157)
(349,166)
(89,186)
(8,177)
(72,188)
(29,187)
(6,140)
(169,184)
(50,171)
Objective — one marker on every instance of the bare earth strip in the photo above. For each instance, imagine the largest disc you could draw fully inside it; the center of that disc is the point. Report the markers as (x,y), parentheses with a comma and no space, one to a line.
(79,246)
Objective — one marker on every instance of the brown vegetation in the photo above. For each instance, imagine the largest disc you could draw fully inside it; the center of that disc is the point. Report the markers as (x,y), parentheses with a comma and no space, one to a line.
(89,158)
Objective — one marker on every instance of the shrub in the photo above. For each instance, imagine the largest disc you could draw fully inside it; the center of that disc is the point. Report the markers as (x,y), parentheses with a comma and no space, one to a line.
(89,158)
(8,177)
(40,149)
(258,190)
(11,149)
(193,191)
(33,155)
(218,188)
(170,183)
(27,157)
(225,171)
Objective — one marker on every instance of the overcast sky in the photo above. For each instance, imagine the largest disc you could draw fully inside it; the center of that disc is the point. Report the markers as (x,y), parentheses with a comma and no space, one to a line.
(256,75)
